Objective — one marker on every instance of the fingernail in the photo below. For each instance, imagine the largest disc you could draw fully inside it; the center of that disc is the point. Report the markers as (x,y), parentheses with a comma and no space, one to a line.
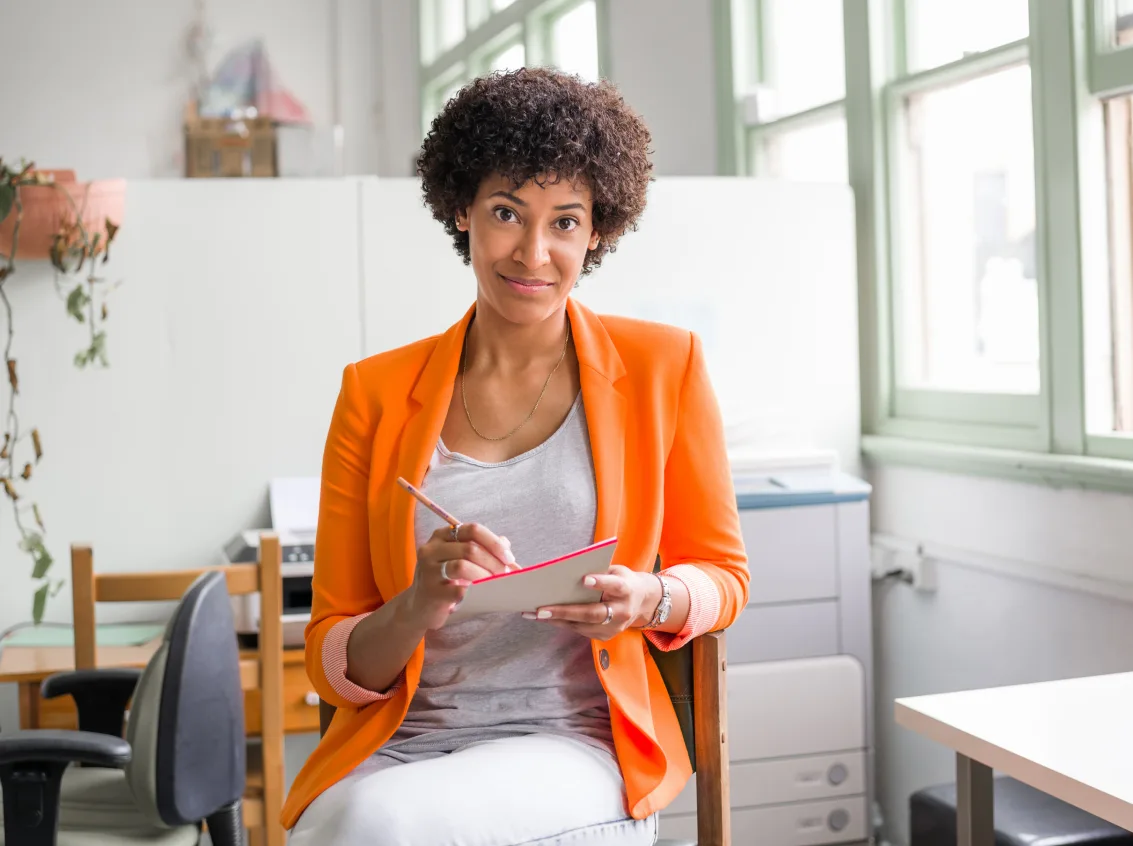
(505,541)
(527,615)
(544,614)
(589,581)
(508,557)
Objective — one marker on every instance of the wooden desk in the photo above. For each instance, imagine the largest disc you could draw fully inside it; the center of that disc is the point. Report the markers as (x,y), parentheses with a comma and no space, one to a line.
(28,666)
(1072,739)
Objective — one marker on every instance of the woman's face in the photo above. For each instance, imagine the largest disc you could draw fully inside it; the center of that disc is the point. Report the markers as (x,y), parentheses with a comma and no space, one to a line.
(528,244)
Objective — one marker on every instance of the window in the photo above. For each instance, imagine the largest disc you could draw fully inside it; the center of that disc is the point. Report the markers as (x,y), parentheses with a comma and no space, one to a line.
(963,333)
(463,39)
(991,156)
(965,290)
(790,82)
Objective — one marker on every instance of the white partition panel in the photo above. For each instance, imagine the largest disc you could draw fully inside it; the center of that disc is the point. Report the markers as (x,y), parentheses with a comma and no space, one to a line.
(763,271)
(238,308)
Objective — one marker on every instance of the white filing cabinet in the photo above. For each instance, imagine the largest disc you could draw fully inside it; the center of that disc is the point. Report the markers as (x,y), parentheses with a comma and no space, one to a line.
(800,670)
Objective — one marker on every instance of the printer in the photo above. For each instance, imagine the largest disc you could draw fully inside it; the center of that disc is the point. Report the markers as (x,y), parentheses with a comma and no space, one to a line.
(294,507)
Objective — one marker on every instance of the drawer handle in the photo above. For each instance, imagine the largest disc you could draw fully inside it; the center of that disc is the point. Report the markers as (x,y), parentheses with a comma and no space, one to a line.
(311,698)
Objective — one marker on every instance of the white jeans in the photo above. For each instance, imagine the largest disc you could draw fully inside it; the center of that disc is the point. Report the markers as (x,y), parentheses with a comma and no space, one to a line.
(535,790)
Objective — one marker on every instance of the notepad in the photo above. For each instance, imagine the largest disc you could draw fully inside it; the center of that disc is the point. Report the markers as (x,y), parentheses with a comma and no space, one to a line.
(554,582)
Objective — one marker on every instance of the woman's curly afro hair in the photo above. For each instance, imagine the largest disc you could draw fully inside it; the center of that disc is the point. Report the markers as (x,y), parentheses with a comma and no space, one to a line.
(534,123)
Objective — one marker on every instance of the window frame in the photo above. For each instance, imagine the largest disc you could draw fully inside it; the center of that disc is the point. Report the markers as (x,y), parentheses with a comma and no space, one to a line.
(487,34)
(1072,68)
(748,46)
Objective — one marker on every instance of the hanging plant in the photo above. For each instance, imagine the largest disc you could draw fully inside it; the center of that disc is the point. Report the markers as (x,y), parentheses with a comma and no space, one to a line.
(48,215)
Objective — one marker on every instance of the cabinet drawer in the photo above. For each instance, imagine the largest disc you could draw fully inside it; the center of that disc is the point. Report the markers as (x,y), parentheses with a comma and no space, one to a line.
(756,783)
(300,703)
(792,552)
(803,824)
(788,709)
(782,632)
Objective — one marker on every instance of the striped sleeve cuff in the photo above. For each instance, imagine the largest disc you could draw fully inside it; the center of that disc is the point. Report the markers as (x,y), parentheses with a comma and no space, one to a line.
(334,665)
(703,608)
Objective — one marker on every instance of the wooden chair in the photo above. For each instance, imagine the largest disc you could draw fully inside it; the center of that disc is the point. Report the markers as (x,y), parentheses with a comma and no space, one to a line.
(694,677)
(261,670)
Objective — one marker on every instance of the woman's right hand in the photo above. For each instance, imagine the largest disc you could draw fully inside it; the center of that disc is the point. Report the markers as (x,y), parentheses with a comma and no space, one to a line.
(476,554)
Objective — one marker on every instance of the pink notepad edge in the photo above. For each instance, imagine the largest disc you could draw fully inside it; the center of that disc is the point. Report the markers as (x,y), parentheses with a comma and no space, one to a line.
(575,554)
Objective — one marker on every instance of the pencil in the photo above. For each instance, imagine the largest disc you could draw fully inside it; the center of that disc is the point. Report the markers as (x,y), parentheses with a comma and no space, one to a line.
(428,503)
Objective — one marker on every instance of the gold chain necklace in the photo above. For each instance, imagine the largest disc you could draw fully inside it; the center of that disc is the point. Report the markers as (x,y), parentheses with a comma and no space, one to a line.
(464,398)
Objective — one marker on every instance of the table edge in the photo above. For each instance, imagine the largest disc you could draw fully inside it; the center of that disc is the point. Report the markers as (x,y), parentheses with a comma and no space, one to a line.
(1090,799)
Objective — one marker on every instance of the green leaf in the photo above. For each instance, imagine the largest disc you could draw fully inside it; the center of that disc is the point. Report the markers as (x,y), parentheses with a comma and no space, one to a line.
(78,300)
(98,349)
(7,198)
(38,604)
(32,543)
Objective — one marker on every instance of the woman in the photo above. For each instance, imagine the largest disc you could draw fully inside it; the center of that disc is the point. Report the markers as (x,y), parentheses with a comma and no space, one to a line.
(545,427)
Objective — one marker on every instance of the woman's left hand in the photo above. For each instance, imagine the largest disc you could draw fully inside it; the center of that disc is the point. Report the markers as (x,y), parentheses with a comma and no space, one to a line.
(625,595)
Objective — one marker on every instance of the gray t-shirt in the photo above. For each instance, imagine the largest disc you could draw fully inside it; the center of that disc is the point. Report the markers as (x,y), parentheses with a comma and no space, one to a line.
(500,675)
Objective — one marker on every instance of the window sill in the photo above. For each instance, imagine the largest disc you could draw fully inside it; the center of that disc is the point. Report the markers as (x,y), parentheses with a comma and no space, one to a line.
(1057,471)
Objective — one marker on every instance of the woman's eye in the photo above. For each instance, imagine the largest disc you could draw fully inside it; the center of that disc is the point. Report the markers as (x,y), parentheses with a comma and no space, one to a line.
(566,224)
(504,215)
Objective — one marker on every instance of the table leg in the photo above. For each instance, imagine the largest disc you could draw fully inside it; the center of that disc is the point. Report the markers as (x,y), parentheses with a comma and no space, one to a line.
(975,817)
(29,705)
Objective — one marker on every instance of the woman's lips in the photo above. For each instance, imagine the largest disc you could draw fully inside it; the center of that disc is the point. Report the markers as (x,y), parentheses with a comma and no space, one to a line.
(527,286)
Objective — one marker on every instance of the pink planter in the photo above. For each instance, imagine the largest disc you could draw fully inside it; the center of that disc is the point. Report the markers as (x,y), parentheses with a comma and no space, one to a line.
(46,210)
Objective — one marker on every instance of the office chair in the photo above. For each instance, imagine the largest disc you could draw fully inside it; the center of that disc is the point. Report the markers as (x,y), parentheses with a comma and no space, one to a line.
(261,669)
(181,763)
(694,677)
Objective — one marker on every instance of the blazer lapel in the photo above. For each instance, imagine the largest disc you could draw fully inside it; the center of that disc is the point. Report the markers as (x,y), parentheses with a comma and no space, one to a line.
(429,404)
(600,368)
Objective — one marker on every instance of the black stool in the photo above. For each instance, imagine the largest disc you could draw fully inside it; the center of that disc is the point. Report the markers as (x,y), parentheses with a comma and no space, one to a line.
(1024,816)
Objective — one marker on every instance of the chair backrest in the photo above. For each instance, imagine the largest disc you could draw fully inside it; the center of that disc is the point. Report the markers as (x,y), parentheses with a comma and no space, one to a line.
(186,725)
(261,671)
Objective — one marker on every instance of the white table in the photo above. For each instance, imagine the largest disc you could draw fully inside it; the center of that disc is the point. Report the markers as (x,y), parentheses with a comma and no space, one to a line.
(1072,739)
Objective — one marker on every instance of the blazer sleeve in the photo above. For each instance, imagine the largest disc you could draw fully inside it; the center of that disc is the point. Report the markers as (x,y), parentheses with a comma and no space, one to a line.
(343,586)
(701,524)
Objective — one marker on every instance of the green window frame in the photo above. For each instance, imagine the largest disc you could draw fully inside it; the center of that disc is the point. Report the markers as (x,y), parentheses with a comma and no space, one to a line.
(489,32)
(744,47)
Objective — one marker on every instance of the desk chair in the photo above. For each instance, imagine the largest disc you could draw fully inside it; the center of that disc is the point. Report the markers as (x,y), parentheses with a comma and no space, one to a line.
(694,677)
(181,763)
(101,707)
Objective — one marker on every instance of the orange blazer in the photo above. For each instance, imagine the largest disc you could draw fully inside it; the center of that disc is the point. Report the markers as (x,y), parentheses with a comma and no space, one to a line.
(664,486)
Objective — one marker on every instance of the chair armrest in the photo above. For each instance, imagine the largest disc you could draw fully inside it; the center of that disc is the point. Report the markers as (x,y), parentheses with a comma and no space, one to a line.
(713,799)
(100,695)
(32,764)
(62,746)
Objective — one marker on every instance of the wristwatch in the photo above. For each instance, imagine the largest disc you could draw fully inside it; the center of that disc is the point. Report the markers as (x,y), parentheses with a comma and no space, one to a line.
(663,607)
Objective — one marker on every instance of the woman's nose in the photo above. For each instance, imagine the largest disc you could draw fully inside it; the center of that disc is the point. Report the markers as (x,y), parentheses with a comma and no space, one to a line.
(532,250)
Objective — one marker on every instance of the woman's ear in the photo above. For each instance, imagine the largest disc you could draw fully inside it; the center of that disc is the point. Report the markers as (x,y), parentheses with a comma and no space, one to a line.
(594,239)
(462,220)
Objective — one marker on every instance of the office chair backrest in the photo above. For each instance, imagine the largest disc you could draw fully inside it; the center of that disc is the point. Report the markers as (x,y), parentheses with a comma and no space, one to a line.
(186,724)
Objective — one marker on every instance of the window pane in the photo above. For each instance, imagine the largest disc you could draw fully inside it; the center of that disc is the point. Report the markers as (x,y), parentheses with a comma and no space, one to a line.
(512,58)
(1123,22)
(450,23)
(1108,301)
(815,153)
(803,56)
(942,31)
(574,41)
(966,297)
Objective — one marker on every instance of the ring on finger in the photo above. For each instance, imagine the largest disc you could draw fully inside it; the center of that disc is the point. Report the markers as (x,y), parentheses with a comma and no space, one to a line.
(609,615)
(444,571)
(456,532)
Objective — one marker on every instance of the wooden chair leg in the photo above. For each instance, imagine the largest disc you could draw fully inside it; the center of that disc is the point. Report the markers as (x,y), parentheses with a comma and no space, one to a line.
(255,837)
(710,719)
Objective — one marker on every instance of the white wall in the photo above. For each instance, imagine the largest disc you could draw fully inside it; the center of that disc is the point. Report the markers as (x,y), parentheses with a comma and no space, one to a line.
(985,628)
(101,86)
(663,61)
